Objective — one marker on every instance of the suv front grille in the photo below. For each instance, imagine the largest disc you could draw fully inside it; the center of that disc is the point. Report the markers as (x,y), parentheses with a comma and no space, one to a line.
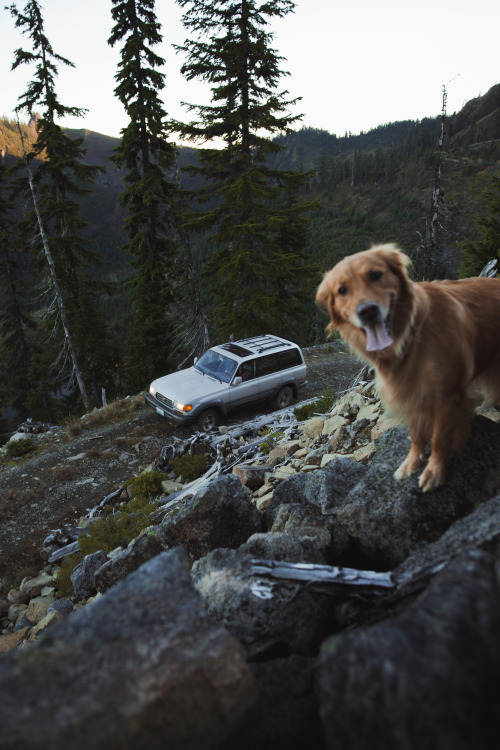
(165,401)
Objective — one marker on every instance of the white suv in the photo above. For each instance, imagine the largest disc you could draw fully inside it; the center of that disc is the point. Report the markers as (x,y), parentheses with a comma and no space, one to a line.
(229,376)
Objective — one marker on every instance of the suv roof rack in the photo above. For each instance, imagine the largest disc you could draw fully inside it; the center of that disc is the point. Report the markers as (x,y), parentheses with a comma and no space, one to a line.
(259,344)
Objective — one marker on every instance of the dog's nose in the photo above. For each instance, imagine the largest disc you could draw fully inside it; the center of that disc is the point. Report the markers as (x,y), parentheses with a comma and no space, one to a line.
(368,312)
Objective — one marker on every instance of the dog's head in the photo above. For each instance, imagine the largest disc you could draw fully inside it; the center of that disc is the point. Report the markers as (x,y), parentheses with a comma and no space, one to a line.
(362,290)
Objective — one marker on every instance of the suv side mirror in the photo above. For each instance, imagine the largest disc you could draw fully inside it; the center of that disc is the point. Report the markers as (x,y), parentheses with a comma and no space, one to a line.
(195,360)
(237,380)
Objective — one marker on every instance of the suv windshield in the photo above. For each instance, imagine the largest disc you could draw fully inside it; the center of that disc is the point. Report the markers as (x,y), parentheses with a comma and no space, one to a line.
(217,365)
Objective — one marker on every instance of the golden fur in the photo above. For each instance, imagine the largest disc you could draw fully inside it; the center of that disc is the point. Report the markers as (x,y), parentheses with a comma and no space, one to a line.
(434,346)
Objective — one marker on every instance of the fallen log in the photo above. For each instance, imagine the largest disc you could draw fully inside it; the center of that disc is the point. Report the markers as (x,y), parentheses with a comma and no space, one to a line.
(334,580)
(112,496)
(63,552)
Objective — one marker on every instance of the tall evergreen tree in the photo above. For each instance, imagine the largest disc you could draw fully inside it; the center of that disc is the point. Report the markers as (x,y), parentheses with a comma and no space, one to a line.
(477,253)
(149,196)
(57,183)
(14,349)
(258,271)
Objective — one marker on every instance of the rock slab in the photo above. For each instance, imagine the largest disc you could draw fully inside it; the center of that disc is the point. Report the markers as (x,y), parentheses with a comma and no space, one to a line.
(143,666)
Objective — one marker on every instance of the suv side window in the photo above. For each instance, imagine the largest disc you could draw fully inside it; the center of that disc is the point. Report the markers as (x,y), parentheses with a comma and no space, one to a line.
(278,361)
(246,371)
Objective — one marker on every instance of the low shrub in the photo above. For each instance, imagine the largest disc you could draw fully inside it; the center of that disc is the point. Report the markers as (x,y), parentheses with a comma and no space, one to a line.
(321,406)
(106,534)
(18,448)
(148,485)
(190,467)
(110,532)
(271,441)
(64,473)
(63,575)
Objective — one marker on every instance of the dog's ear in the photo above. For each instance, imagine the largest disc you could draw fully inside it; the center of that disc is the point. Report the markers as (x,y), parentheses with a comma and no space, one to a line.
(400,263)
(325,298)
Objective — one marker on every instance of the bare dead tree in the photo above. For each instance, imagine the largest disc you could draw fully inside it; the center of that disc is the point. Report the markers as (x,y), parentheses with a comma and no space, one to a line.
(54,284)
(430,250)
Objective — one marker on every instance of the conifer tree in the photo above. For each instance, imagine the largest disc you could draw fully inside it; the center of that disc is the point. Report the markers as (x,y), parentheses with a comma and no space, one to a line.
(149,196)
(477,253)
(57,183)
(14,349)
(258,271)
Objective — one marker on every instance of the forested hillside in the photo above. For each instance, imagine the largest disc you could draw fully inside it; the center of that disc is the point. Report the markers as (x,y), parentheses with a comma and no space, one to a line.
(370,188)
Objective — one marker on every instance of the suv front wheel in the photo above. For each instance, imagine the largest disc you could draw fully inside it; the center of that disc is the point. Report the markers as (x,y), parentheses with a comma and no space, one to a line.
(283,398)
(208,420)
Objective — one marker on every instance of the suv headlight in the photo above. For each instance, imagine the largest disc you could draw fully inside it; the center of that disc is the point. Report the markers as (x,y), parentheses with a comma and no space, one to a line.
(152,391)
(182,407)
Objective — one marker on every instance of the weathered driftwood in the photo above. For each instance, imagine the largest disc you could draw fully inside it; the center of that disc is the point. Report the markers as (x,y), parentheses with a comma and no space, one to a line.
(336,579)
(348,582)
(59,554)
(490,268)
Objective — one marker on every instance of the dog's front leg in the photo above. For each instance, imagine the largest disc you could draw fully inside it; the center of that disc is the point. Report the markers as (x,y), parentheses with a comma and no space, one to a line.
(451,425)
(415,457)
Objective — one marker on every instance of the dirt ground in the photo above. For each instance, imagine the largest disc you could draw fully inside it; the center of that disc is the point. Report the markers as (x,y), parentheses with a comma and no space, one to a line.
(73,470)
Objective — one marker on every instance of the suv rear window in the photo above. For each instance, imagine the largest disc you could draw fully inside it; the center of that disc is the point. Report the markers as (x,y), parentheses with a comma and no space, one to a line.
(279,361)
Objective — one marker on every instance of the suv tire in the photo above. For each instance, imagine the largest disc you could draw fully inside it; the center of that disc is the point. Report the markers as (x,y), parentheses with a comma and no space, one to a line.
(208,420)
(283,398)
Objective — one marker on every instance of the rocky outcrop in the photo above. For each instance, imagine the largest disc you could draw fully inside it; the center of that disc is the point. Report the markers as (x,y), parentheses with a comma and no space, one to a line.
(143,666)
(221,515)
(423,678)
(193,648)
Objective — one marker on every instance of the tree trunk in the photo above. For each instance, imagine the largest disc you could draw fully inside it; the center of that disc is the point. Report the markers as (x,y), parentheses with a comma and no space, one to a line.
(55,284)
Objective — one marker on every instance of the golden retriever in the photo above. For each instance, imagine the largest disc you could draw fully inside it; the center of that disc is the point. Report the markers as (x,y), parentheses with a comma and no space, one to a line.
(434,346)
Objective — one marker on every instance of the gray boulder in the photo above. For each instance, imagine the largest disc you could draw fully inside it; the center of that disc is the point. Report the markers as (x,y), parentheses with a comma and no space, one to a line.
(288,714)
(142,549)
(143,666)
(479,529)
(268,618)
(305,521)
(389,520)
(328,487)
(325,488)
(282,546)
(220,515)
(423,679)
(82,576)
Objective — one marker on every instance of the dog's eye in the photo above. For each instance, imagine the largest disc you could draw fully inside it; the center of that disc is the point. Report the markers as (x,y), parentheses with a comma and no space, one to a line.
(375,275)
(342,290)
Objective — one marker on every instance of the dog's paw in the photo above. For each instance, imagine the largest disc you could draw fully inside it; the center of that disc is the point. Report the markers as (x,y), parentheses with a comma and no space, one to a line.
(410,465)
(432,478)
(402,473)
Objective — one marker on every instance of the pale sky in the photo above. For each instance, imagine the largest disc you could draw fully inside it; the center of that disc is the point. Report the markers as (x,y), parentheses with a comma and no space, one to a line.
(355,64)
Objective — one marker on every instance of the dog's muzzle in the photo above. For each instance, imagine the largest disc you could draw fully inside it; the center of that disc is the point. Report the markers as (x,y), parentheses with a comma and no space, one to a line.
(375,325)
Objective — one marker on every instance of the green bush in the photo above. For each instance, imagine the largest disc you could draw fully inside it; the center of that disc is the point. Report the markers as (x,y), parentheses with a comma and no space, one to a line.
(190,467)
(271,441)
(106,534)
(112,531)
(147,485)
(63,575)
(321,406)
(17,448)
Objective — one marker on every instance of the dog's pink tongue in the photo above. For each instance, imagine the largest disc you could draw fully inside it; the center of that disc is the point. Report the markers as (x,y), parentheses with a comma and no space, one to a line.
(377,338)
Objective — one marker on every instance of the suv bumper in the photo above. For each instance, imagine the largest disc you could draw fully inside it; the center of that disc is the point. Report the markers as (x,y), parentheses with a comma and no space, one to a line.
(168,413)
